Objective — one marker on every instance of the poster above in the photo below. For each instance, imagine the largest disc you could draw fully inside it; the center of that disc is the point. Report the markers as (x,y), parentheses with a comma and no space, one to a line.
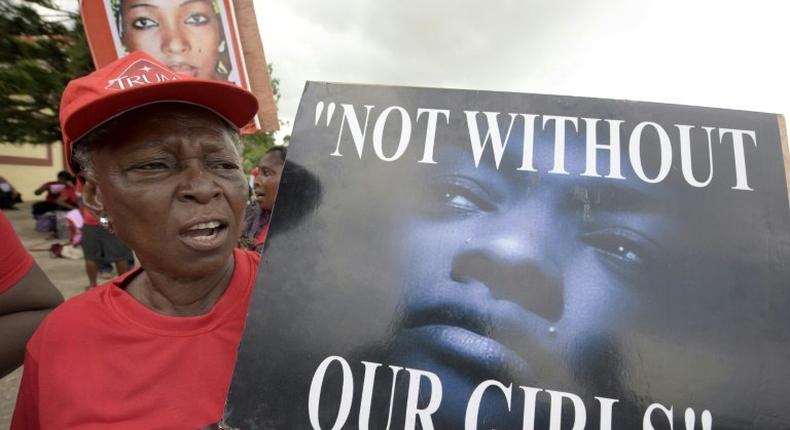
(209,39)
(449,259)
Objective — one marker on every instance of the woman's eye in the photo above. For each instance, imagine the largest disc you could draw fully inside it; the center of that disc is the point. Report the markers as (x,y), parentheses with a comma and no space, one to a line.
(143,23)
(624,246)
(196,19)
(225,165)
(460,201)
(456,195)
(155,165)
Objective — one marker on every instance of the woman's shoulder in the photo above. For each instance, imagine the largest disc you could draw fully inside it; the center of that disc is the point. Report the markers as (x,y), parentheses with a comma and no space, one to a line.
(247,260)
(77,316)
(75,308)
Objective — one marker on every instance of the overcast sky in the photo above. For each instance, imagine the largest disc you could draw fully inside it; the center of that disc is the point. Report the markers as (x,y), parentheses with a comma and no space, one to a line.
(718,53)
(731,54)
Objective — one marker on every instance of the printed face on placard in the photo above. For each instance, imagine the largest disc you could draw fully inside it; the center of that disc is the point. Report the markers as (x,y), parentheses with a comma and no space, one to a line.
(571,283)
(187,36)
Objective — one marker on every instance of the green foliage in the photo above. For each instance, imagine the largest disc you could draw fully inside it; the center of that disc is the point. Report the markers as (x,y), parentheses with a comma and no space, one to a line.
(38,57)
(256,145)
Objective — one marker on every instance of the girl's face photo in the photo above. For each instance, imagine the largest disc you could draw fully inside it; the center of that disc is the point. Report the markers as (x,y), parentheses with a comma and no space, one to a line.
(585,285)
(185,35)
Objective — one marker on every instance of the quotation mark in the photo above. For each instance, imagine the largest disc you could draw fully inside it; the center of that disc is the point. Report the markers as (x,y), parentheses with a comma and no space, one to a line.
(705,419)
(319,110)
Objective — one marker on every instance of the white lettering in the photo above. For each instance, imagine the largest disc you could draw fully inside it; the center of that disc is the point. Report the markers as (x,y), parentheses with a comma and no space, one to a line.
(559,139)
(555,415)
(742,182)
(412,412)
(685,156)
(346,394)
(430,131)
(635,147)
(357,132)
(378,133)
(473,406)
(493,134)
(592,146)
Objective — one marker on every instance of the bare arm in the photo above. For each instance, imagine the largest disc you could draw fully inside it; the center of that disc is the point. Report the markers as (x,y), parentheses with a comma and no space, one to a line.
(22,308)
(41,189)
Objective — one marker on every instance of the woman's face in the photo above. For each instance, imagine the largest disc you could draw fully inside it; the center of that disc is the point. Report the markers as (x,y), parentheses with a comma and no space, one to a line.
(585,285)
(270,168)
(184,35)
(172,185)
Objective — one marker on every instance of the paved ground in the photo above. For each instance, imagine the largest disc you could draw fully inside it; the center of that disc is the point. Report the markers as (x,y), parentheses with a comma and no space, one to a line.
(68,275)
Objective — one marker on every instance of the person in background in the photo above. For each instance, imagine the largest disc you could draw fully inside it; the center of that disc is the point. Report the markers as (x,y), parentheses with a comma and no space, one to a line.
(26,296)
(99,245)
(9,196)
(154,348)
(61,195)
(265,186)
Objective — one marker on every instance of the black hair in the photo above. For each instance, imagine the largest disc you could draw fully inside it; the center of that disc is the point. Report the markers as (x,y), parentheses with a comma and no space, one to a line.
(65,176)
(280,149)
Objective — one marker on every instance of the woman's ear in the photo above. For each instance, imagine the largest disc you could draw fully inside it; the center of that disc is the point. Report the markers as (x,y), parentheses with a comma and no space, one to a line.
(91,196)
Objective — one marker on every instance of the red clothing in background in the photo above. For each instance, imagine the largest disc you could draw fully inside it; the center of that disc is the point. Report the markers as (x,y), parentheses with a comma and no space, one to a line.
(56,190)
(104,361)
(260,238)
(15,262)
(89,217)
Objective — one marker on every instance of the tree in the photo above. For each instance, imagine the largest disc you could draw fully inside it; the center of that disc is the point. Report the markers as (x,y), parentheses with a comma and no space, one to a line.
(38,56)
(256,145)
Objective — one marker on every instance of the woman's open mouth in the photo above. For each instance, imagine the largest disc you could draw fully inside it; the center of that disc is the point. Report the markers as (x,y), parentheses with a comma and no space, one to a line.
(205,236)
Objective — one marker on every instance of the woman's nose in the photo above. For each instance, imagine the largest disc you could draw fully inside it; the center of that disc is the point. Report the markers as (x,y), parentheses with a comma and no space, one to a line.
(198,185)
(174,41)
(512,257)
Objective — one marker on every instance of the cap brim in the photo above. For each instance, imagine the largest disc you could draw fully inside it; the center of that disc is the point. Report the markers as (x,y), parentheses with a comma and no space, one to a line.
(233,103)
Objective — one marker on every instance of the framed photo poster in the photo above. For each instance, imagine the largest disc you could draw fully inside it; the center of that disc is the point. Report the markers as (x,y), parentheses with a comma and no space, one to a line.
(209,39)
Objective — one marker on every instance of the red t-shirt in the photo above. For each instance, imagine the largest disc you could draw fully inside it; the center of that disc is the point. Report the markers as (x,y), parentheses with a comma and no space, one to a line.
(88,216)
(103,360)
(15,262)
(260,238)
(56,189)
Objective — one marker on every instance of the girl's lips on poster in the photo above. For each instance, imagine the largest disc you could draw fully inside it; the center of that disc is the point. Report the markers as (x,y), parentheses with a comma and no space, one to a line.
(184,68)
(462,334)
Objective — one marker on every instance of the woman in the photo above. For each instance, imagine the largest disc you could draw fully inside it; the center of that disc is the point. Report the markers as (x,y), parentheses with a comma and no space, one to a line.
(60,195)
(187,36)
(154,348)
(26,297)
(265,186)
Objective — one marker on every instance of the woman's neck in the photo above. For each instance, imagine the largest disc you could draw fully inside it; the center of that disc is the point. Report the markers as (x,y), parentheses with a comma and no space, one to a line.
(180,297)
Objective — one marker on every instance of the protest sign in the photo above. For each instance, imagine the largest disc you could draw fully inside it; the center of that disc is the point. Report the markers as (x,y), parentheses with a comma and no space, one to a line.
(210,39)
(450,259)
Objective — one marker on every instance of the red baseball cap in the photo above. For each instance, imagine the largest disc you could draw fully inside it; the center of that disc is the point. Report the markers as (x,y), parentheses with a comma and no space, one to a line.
(137,80)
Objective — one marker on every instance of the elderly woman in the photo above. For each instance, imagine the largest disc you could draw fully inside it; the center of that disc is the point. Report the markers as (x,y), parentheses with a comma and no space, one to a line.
(154,348)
